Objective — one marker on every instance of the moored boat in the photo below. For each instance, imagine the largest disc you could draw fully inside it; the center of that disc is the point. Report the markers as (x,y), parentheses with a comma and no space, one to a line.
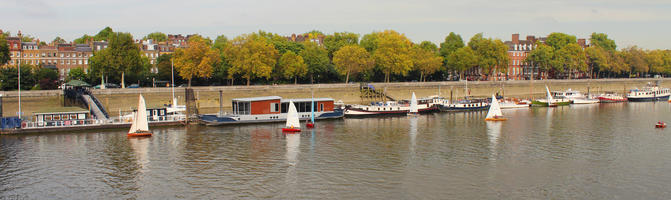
(649,93)
(464,105)
(272,109)
(611,97)
(550,101)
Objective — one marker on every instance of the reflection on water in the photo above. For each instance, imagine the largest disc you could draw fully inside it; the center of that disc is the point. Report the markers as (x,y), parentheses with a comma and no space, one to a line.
(603,151)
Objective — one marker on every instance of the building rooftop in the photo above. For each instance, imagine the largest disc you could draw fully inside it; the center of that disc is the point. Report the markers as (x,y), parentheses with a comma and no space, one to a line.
(257,98)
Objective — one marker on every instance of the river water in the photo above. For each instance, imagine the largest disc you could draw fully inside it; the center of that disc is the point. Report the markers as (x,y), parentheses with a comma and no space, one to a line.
(606,151)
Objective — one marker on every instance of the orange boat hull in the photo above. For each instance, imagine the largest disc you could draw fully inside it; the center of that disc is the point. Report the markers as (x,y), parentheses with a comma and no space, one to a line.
(140,134)
(291,130)
(495,119)
(660,125)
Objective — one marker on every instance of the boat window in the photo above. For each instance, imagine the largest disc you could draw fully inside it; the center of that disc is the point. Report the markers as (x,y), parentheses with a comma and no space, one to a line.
(82,116)
(321,107)
(244,108)
(48,117)
(274,107)
(73,116)
(57,117)
(285,107)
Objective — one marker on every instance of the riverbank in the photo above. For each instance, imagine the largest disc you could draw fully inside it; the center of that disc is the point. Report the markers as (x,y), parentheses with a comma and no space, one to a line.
(124,100)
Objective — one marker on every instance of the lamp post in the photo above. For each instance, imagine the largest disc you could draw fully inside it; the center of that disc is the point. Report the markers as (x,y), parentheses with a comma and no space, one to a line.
(20,56)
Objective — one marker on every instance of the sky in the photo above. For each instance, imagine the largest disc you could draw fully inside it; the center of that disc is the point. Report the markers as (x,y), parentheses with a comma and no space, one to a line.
(644,23)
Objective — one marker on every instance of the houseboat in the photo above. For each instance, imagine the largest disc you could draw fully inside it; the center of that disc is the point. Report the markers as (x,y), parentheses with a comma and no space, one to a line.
(464,105)
(80,119)
(424,105)
(649,93)
(272,109)
(574,97)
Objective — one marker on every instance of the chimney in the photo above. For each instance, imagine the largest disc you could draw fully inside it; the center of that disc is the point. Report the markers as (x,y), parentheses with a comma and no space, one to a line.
(516,38)
(531,38)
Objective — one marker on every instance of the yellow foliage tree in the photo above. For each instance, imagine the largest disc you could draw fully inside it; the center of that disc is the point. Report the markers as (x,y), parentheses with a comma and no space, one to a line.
(251,56)
(197,60)
(292,65)
(425,61)
(352,59)
(392,54)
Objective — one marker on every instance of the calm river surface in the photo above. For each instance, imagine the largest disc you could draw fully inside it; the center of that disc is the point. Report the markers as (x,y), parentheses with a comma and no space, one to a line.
(607,151)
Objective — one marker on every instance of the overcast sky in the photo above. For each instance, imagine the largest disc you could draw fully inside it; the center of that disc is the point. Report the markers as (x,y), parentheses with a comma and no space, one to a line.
(629,22)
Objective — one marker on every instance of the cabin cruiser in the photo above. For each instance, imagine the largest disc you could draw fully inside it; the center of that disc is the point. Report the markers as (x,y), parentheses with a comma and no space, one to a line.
(574,96)
(649,93)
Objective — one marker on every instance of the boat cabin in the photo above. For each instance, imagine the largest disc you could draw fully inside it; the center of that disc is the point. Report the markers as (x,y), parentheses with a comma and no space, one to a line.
(276,105)
(155,114)
(61,118)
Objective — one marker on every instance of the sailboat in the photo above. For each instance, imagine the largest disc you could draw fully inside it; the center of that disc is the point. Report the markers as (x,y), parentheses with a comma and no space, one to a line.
(413,105)
(311,124)
(494,113)
(140,126)
(551,101)
(293,123)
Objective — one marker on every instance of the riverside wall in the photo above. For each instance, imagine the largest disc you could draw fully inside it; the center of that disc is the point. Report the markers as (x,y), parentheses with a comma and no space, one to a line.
(123,100)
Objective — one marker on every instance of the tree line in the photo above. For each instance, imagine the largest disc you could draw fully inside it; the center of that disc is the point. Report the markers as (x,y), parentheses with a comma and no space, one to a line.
(384,56)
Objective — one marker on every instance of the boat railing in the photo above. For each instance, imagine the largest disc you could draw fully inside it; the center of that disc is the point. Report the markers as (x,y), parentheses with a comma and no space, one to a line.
(94,122)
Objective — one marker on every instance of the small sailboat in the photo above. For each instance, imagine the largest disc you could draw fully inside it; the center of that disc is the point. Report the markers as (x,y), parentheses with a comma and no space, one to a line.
(413,105)
(293,123)
(660,124)
(494,113)
(140,126)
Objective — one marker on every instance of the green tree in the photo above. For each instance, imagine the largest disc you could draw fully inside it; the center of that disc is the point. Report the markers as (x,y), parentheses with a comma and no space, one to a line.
(4,51)
(429,46)
(492,54)
(571,58)
(84,39)
(292,65)
(197,60)
(602,40)
(392,54)
(655,60)
(426,61)
(164,66)
(10,76)
(77,74)
(47,79)
(462,60)
(104,34)
(156,37)
(58,40)
(251,56)
(450,45)
(27,38)
(540,57)
(338,40)
(121,56)
(351,60)
(560,40)
(221,43)
(316,58)
(369,41)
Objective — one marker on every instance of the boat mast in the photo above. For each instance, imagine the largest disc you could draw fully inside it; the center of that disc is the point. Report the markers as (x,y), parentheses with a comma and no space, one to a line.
(312,115)
(20,55)
(172,82)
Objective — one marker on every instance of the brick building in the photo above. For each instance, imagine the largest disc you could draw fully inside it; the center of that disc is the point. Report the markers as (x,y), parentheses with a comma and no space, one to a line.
(319,39)
(518,50)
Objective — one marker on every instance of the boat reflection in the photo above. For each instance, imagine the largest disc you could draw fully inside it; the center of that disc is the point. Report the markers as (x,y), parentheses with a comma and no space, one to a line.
(140,148)
(412,131)
(493,134)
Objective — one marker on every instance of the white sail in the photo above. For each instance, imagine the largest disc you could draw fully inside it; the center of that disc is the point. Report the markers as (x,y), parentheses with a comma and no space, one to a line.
(133,125)
(292,116)
(413,104)
(494,109)
(140,117)
(549,96)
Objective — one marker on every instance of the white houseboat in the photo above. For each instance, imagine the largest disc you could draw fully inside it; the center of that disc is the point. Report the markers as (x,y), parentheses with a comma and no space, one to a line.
(272,109)
(649,93)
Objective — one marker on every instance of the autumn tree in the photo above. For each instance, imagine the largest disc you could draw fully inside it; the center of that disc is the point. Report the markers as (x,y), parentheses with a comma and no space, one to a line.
(560,40)
(369,41)
(338,40)
(292,66)
(570,58)
(251,56)
(598,58)
(655,60)
(156,37)
(462,60)
(351,60)
(426,60)
(634,57)
(492,54)
(197,60)
(393,55)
